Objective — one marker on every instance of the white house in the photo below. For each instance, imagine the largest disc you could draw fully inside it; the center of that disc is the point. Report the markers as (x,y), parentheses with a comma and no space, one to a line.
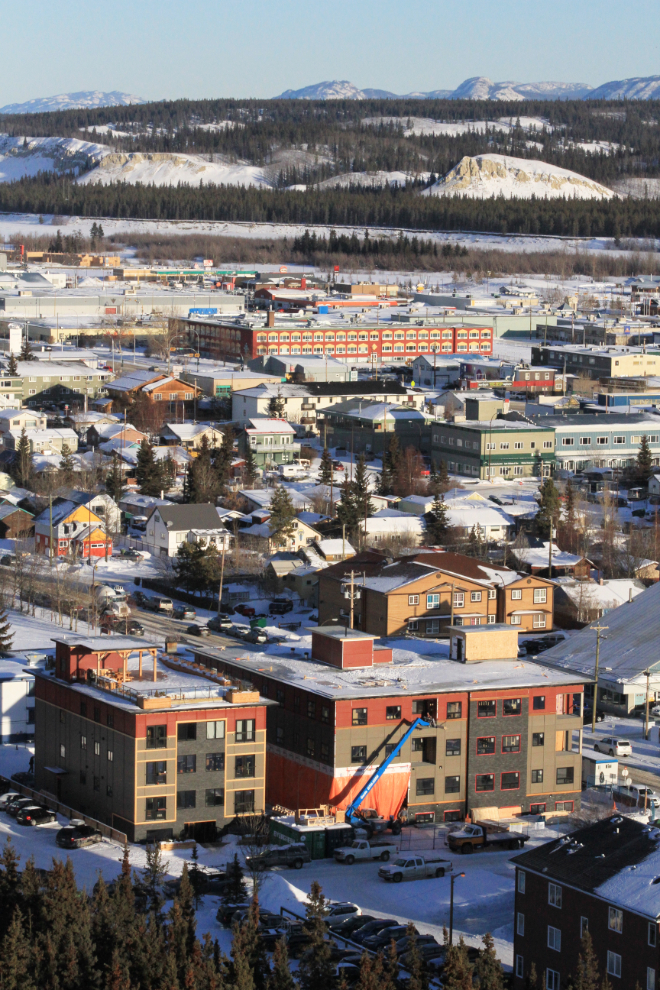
(16,700)
(391,525)
(169,526)
(17,419)
(416,505)
(43,441)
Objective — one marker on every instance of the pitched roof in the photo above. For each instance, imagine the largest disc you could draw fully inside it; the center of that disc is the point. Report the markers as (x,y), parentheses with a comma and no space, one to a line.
(134,380)
(190,516)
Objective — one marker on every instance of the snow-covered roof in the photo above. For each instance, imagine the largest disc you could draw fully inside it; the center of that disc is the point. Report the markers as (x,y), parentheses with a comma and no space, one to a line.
(135,379)
(404,522)
(466,515)
(538,556)
(604,596)
(333,547)
(263,425)
(188,431)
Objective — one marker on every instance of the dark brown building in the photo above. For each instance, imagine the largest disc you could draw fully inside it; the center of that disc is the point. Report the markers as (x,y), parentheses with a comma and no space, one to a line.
(15,523)
(604,878)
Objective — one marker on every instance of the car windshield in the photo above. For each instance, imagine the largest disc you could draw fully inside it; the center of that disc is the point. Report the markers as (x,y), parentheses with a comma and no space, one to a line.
(355,845)
(400,862)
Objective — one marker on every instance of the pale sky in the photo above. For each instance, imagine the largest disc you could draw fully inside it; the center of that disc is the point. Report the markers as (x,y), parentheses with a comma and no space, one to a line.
(167,49)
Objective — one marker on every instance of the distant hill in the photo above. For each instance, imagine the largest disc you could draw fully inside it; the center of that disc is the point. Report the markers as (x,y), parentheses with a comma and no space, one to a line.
(73,101)
(486,176)
(639,88)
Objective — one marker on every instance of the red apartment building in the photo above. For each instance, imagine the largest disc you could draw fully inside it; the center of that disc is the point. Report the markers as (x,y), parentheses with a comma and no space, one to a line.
(384,342)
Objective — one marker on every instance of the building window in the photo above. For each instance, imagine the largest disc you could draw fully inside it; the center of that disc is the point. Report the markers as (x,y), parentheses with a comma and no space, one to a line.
(520,966)
(244,802)
(279,735)
(540,596)
(459,599)
(485,782)
(358,754)
(214,797)
(359,716)
(565,775)
(563,806)
(452,785)
(554,895)
(453,747)
(156,736)
(613,958)
(311,748)
(155,808)
(486,709)
(311,709)
(485,745)
(521,881)
(653,934)
(186,731)
(97,749)
(584,926)
(538,739)
(510,744)
(413,625)
(97,783)
(520,923)
(186,764)
(83,742)
(538,703)
(425,786)
(413,599)
(536,809)
(551,979)
(537,776)
(650,978)
(244,766)
(615,920)
(215,761)
(554,938)
(433,601)
(454,709)
(157,772)
(110,756)
(475,596)
(325,714)
(186,799)
(512,706)
(244,730)
(516,594)
(510,780)
(215,730)
(83,777)
(393,712)
(62,750)
(108,790)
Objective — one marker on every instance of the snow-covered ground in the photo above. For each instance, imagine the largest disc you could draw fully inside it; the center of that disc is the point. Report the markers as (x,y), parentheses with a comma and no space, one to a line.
(646,752)
(426,125)
(162,169)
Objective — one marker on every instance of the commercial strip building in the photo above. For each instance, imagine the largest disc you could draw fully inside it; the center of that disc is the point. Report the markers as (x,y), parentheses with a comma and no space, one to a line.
(368,426)
(220,382)
(587,441)
(497,447)
(154,748)
(362,343)
(598,362)
(425,592)
(127,304)
(602,879)
(499,735)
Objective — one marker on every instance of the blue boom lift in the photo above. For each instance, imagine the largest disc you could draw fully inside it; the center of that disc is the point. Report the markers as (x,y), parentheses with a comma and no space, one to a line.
(353,816)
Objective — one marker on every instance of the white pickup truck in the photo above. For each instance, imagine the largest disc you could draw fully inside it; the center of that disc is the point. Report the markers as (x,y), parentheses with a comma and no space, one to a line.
(415,868)
(362,849)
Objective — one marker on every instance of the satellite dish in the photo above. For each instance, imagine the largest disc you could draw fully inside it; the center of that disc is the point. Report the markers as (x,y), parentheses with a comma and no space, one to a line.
(624,772)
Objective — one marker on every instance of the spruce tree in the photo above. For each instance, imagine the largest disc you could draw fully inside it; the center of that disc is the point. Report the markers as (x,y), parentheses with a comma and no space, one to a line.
(67,464)
(488,969)
(6,636)
(549,508)
(10,879)
(570,503)
(317,971)
(416,967)
(386,481)
(22,465)
(148,471)
(12,367)
(114,481)
(26,349)
(644,462)
(16,955)
(361,493)
(326,476)
(457,972)
(282,515)
(586,977)
(223,458)
(476,546)
(250,472)
(236,890)
(281,978)
(153,875)
(436,522)
(348,512)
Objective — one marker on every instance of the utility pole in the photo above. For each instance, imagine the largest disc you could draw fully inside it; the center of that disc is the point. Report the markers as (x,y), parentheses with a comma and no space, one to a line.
(222,573)
(50,538)
(599,630)
(550,552)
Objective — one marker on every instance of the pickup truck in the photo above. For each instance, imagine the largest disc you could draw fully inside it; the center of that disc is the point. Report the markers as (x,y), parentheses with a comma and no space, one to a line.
(362,849)
(472,837)
(294,855)
(415,868)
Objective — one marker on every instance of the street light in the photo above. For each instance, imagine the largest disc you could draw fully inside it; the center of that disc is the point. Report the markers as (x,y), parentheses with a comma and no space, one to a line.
(451,906)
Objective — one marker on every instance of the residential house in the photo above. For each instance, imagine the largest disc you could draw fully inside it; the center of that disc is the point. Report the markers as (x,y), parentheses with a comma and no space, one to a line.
(158,387)
(470,512)
(537,560)
(121,433)
(76,532)
(270,440)
(415,505)
(367,427)
(339,709)
(260,534)
(100,503)
(18,419)
(585,441)
(334,550)
(579,602)
(168,526)
(190,435)
(391,526)
(497,447)
(220,382)
(424,592)
(15,523)
(43,441)
(17,697)
(133,505)
(599,879)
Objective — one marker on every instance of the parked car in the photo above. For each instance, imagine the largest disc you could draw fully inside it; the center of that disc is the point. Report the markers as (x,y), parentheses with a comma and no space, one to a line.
(403,944)
(76,834)
(35,816)
(255,636)
(600,714)
(294,854)
(196,630)
(383,939)
(280,606)
(613,746)
(133,555)
(135,629)
(338,466)
(227,911)
(220,622)
(341,910)
(184,612)
(428,951)
(25,777)
(351,925)
(7,797)
(159,605)
(246,610)
(139,597)
(13,807)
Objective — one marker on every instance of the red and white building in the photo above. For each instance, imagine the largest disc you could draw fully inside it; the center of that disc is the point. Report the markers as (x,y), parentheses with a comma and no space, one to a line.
(376,343)
(75,530)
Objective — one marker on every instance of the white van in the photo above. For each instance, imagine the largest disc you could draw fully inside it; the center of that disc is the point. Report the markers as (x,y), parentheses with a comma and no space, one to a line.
(291,471)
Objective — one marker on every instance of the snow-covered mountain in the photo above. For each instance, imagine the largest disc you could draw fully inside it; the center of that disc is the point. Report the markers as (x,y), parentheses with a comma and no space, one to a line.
(639,88)
(25,156)
(335,90)
(163,169)
(498,175)
(476,88)
(73,101)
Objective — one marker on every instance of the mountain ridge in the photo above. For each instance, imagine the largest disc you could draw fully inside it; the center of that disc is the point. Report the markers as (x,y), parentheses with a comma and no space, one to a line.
(73,101)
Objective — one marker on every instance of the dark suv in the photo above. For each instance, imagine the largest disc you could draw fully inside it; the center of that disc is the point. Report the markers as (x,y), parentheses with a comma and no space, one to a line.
(280,606)
(76,835)
(293,855)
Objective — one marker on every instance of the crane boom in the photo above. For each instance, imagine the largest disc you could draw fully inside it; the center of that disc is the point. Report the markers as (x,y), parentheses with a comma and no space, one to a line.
(351,811)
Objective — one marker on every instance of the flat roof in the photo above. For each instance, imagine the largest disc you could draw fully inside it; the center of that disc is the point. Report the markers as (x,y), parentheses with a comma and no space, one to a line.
(105,644)
(486,426)
(341,632)
(409,673)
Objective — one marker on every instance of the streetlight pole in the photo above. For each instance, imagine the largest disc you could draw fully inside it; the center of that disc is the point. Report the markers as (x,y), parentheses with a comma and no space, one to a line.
(451,906)
(598,629)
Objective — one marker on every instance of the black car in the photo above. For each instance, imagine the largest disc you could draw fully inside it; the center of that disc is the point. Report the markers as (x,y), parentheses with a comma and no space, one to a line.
(196,630)
(227,911)
(37,815)
(280,606)
(139,597)
(135,628)
(383,939)
(25,777)
(13,807)
(588,715)
(373,928)
(76,835)
(403,944)
(350,925)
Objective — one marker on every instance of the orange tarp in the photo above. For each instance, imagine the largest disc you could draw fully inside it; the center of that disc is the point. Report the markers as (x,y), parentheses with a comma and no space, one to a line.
(293,785)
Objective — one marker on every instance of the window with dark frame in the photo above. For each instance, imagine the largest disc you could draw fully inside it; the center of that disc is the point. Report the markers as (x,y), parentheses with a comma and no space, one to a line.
(243,802)
(512,706)
(538,703)
(537,776)
(325,714)
(454,709)
(186,799)
(425,786)
(244,766)
(311,748)
(486,709)
(325,752)
(214,797)
(510,744)
(186,763)
(510,780)
(485,745)
(244,730)
(485,782)
(565,775)
(452,785)
(393,712)
(452,747)
(358,754)
(215,761)
(156,808)
(156,736)
(186,731)
(538,739)
(156,772)
(359,716)
(311,709)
